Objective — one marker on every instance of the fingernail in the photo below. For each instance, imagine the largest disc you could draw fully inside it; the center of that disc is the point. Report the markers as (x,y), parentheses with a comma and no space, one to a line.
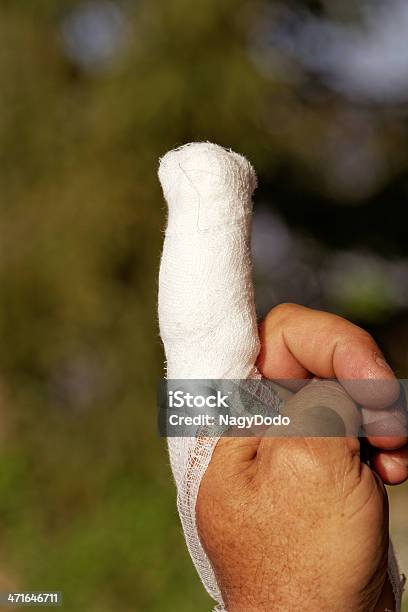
(381,362)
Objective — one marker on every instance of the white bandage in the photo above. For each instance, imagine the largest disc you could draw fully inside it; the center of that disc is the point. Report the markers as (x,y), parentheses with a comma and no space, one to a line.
(206,304)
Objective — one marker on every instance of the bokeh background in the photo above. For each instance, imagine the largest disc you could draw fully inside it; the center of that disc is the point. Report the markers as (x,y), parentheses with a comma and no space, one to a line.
(92,92)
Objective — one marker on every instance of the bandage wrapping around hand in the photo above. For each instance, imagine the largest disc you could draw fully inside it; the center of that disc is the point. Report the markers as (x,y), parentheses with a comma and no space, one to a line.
(206,303)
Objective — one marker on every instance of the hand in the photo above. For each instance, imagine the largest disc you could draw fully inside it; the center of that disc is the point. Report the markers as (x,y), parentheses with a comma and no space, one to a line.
(299,343)
(289,522)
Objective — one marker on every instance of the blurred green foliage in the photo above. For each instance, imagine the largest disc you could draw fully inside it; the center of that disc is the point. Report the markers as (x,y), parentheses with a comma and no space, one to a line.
(86,502)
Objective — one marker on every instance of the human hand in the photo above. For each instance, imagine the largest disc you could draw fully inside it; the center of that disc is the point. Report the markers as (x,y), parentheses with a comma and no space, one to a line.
(289,522)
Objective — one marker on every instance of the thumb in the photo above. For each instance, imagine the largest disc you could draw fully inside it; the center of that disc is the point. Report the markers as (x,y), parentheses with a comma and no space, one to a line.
(323,431)
(322,409)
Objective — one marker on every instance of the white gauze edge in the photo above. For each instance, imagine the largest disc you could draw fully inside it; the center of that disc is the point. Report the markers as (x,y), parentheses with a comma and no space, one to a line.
(206,304)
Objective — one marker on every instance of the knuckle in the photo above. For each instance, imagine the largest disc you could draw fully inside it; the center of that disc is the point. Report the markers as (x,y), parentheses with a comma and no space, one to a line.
(364,335)
(306,456)
(307,460)
(282,311)
(354,332)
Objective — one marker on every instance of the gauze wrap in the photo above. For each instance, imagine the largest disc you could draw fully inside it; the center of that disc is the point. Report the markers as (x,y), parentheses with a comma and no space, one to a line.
(206,303)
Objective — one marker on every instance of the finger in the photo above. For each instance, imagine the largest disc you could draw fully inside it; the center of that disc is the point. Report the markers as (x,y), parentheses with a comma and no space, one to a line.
(297,342)
(283,392)
(206,309)
(387,429)
(391,466)
(205,261)
(322,408)
(324,428)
